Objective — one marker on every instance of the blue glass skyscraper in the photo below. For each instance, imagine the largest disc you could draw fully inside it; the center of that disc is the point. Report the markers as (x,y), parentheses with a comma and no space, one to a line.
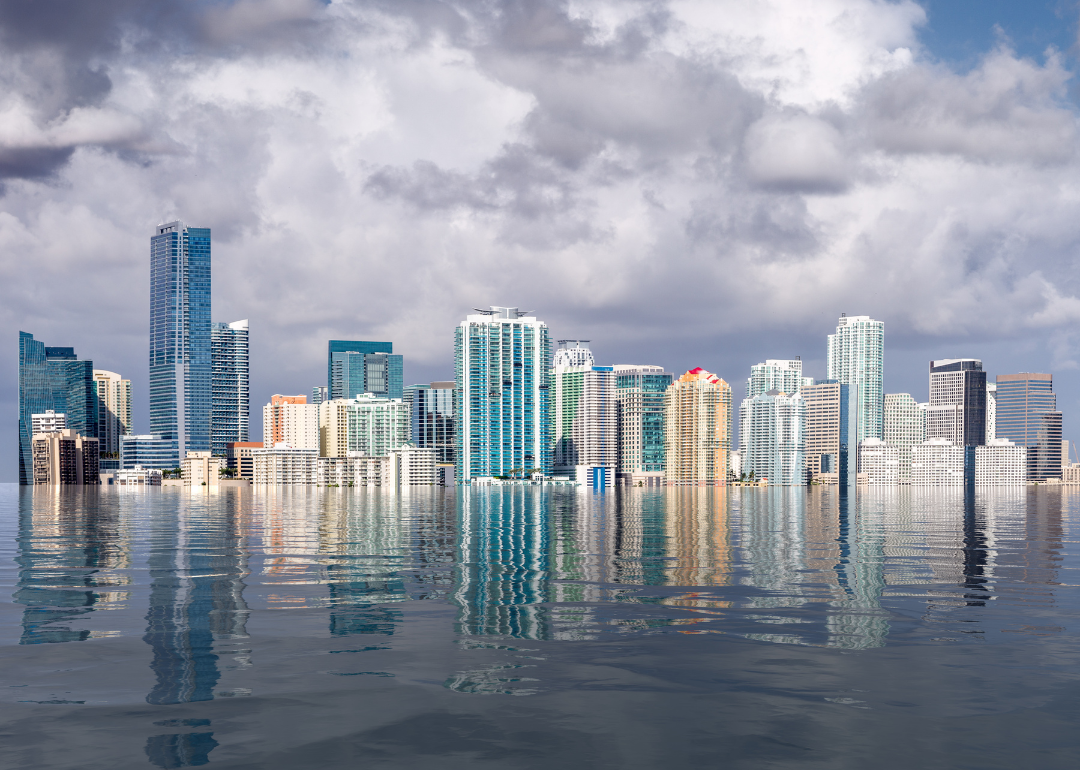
(230,384)
(355,367)
(180,337)
(53,378)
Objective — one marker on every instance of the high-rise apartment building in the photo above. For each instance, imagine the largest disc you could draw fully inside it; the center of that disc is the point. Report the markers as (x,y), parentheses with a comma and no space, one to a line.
(356,367)
(938,462)
(320,393)
(180,338)
(290,420)
(1027,415)
(831,418)
(501,373)
(775,440)
(905,426)
(1000,463)
(65,457)
(431,418)
(585,416)
(879,462)
(230,385)
(697,429)
(781,375)
(991,411)
(52,378)
(957,409)
(367,424)
(113,413)
(639,394)
(856,357)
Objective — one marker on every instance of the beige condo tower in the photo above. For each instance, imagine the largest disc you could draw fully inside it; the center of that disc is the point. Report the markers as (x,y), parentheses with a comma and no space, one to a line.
(697,429)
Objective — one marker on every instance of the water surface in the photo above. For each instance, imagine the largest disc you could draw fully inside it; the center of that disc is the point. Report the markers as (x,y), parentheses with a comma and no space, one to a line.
(531,628)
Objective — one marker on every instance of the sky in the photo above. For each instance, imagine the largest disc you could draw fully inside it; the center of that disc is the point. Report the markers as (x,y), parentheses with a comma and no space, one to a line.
(682,182)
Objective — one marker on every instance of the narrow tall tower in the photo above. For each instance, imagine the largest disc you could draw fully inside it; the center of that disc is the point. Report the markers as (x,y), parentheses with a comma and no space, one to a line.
(180,337)
(231,407)
(856,357)
(501,368)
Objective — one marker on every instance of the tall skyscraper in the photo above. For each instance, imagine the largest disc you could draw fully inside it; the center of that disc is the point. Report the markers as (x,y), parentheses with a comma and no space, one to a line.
(905,427)
(831,451)
(230,385)
(431,418)
(775,441)
(180,338)
(501,371)
(1027,415)
(856,357)
(697,429)
(114,415)
(355,367)
(585,416)
(776,374)
(957,408)
(52,378)
(639,393)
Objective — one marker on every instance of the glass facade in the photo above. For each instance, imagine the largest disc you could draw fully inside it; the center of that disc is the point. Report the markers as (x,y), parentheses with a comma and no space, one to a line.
(230,385)
(856,357)
(148,451)
(1026,414)
(503,409)
(431,418)
(53,378)
(356,380)
(640,399)
(181,396)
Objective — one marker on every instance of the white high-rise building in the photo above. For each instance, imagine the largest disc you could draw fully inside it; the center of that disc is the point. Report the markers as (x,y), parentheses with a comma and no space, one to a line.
(1000,463)
(775,425)
(879,462)
(290,420)
(585,411)
(991,411)
(937,462)
(904,427)
(783,375)
(368,425)
(114,411)
(856,357)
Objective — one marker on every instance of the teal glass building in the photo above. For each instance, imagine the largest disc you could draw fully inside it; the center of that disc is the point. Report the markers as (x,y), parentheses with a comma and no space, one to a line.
(355,367)
(431,418)
(53,378)
(180,338)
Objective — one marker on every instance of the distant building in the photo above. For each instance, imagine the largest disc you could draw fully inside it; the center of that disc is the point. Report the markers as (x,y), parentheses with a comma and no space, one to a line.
(1027,415)
(63,457)
(138,477)
(585,415)
(291,420)
(230,385)
(52,378)
(639,395)
(503,420)
(697,429)
(1000,463)
(856,357)
(904,427)
(367,425)
(991,411)
(202,469)
(775,440)
(413,466)
(879,462)
(180,338)
(357,367)
(957,409)
(784,375)
(238,457)
(355,471)
(431,418)
(284,465)
(113,414)
(831,419)
(937,462)
(48,422)
(147,451)
(319,394)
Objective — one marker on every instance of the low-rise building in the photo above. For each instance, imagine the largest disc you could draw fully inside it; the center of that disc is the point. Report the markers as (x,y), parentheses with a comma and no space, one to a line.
(937,462)
(1000,463)
(285,465)
(64,457)
(138,477)
(238,457)
(201,469)
(356,470)
(413,466)
(879,463)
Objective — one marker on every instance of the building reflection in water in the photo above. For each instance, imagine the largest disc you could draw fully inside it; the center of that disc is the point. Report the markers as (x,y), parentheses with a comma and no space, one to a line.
(73,552)
(197,613)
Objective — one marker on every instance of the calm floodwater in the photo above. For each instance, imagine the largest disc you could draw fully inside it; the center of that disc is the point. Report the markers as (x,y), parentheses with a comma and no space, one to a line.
(524,628)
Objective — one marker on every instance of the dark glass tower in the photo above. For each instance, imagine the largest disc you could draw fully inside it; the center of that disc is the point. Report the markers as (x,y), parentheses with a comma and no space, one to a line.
(1027,415)
(355,367)
(53,378)
(180,346)
(957,401)
(431,418)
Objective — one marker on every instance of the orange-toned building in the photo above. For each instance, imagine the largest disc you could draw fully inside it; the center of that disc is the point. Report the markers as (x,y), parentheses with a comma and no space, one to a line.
(292,420)
(697,429)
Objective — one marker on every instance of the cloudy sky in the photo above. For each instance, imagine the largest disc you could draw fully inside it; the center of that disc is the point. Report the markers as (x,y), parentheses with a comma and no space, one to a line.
(684,182)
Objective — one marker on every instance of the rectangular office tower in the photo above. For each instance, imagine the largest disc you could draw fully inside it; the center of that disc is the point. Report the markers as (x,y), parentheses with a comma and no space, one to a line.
(230,385)
(114,415)
(831,422)
(1027,415)
(180,338)
(856,357)
(355,367)
(585,416)
(639,394)
(501,373)
(52,378)
(957,409)
(431,418)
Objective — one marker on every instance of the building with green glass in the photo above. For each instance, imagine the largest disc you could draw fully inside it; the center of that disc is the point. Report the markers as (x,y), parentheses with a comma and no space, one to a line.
(639,396)
(355,367)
